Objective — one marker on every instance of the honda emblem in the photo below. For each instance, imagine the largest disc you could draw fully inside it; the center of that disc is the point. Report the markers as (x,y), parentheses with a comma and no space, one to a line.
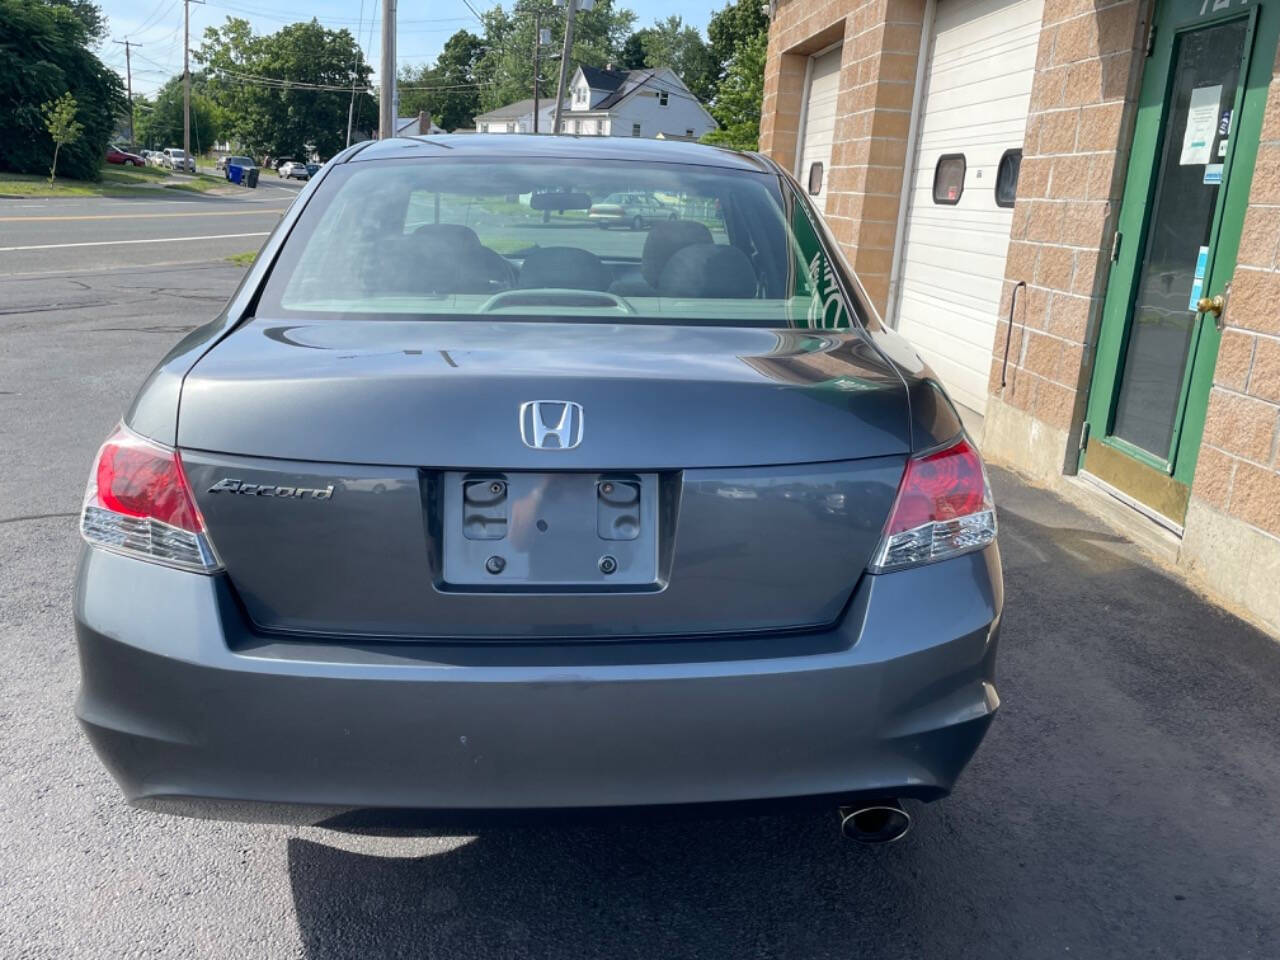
(551,424)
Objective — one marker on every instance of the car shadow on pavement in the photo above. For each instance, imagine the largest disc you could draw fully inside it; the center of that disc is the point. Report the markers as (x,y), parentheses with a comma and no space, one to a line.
(715,888)
(1121,806)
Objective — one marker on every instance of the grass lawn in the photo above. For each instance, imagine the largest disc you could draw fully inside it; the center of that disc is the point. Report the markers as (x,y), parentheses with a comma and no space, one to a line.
(117,181)
(244,259)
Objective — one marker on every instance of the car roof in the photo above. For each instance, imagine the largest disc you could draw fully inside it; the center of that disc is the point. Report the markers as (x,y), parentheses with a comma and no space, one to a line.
(563,146)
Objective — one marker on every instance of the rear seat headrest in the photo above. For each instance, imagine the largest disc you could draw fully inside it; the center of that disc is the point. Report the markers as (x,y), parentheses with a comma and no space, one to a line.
(664,239)
(709,270)
(569,268)
(449,233)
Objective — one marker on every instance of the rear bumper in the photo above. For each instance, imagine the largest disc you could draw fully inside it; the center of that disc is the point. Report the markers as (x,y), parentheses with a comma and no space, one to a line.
(193,713)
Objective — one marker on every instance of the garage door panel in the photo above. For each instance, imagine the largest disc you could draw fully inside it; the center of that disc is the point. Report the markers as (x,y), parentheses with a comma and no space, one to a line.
(965,320)
(818,135)
(981,67)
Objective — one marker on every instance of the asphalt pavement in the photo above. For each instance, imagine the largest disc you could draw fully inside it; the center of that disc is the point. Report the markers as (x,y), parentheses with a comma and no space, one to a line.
(1123,804)
(78,233)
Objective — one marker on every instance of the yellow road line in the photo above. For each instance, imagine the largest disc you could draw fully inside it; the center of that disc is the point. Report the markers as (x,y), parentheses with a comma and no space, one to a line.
(143,216)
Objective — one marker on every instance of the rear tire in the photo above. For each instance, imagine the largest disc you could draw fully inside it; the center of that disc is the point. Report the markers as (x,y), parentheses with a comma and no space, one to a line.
(637,223)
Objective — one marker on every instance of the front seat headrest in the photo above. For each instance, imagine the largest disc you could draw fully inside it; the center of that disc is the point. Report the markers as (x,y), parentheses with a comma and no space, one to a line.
(567,268)
(664,239)
(709,270)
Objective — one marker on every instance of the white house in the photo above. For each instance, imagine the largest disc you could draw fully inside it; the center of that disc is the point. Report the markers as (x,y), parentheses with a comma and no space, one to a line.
(419,126)
(518,117)
(612,103)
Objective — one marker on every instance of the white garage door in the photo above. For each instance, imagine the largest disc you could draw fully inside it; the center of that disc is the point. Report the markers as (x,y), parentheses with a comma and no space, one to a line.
(819,123)
(981,65)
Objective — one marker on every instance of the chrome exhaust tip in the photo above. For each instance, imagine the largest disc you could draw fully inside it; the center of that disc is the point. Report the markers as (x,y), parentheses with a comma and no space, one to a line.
(882,822)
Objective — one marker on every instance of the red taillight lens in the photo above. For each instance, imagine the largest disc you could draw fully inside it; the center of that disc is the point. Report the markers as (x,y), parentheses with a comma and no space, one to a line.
(138,503)
(139,479)
(943,509)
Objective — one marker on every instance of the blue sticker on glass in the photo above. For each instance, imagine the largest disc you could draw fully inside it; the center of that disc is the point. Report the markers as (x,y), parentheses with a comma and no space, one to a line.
(1212,174)
(1197,286)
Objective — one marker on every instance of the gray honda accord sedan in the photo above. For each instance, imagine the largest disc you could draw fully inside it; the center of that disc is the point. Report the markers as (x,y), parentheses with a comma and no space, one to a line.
(464,505)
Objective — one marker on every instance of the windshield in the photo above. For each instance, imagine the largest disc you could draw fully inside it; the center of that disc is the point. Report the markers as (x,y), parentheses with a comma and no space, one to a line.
(563,239)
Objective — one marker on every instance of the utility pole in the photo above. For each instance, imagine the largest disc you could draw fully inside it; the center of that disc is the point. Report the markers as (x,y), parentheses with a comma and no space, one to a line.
(128,79)
(351,107)
(564,61)
(387,81)
(186,79)
(538,50)
(186,82)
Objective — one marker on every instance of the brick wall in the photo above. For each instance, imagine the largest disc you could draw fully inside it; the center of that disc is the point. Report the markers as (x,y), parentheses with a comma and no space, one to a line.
(1069,192)
(1238,471)
(881,45)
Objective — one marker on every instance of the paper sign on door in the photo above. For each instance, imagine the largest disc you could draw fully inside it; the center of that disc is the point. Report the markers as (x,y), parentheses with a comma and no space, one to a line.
(1202,125)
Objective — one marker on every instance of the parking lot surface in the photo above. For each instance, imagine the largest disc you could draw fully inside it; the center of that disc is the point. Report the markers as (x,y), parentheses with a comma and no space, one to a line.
(1123,804)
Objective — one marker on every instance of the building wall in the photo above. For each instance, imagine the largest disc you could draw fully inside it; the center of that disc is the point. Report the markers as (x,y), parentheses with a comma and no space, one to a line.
(881,45)
(1083,105)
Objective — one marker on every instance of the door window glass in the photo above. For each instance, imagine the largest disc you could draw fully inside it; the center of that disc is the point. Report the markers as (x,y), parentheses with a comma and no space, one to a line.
(1171,274)
(1007,178)
(948,178)
(815,179)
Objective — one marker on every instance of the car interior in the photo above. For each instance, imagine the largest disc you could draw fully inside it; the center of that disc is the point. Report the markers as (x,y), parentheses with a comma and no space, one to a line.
(414,238)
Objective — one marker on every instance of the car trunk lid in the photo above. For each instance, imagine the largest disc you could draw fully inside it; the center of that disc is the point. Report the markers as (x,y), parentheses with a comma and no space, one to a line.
(359,477)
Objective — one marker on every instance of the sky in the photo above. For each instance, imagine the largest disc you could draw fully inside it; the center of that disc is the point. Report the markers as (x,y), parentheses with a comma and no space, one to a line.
(156,26)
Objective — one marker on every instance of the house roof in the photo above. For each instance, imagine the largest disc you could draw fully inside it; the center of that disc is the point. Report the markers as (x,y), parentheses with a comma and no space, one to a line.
(635,80)
(598,79)
(513,111)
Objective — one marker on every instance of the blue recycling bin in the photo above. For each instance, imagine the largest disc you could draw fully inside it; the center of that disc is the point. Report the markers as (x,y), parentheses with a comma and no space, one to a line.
(235,173)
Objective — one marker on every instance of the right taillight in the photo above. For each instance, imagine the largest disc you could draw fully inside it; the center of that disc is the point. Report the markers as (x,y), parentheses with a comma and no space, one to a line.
(943,509)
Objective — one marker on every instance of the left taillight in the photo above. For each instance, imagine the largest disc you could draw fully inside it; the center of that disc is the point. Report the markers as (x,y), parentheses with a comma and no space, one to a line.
(138,503)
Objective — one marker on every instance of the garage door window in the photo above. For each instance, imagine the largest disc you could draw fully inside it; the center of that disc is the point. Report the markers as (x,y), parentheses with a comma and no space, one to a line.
(1007,178)
(815,179)
(948,178)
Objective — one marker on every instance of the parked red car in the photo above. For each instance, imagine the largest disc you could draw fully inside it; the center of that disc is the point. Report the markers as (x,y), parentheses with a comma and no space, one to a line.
(116,155)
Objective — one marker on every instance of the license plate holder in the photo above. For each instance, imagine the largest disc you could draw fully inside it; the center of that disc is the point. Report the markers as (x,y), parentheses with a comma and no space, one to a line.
(550,530)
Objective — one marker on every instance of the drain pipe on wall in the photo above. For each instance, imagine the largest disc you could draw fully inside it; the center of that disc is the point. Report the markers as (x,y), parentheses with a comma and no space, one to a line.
(909,165)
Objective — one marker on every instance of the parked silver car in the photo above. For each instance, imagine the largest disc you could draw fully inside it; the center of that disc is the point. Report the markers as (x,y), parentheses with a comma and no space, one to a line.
(458,517)
(177,159)
(635,210)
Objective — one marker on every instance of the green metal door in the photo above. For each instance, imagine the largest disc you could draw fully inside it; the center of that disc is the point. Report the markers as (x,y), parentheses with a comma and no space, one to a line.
(1204,88)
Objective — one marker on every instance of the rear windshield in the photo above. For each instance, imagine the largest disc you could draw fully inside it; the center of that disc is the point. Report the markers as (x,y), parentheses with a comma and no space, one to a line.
(565,239)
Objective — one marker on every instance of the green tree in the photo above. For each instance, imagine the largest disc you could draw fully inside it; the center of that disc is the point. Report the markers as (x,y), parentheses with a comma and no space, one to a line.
(60,121)
(505,70)
(288,91)
(632,56)
(88,13)
(735,23)
(159,123)
(672,44)
(446,90)
(44,53)
(740,95)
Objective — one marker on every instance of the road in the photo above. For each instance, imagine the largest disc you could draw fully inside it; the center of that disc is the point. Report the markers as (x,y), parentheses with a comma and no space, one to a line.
(78,233)
(1123,804)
